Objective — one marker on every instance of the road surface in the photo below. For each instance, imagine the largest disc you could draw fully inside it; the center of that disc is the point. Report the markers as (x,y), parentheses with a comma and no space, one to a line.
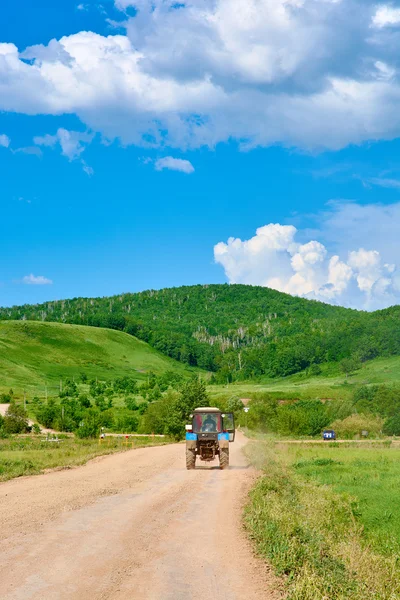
(134,525)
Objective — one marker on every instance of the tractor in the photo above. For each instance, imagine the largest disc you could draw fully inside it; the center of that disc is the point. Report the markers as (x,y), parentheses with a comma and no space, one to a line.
(208,436)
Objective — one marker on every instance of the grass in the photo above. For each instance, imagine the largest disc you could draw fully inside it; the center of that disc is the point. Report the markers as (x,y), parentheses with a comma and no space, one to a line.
(30,455)
(33,354)
(327,519)
(330,384)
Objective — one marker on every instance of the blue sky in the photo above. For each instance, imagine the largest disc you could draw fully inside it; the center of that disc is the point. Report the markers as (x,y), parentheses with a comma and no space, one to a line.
(139,149)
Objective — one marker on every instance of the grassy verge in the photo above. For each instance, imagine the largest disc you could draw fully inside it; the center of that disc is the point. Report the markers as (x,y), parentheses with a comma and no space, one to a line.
(324,518)
(31,456)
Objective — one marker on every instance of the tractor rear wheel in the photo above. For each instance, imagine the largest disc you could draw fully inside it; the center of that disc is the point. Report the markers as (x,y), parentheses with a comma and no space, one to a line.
(190,459)
(224,458)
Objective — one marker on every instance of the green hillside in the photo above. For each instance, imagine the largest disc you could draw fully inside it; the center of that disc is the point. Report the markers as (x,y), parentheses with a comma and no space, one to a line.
(34,354)
(330,384)
(239,332)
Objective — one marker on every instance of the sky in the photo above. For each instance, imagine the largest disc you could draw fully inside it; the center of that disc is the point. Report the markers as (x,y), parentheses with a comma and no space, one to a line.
(154,143)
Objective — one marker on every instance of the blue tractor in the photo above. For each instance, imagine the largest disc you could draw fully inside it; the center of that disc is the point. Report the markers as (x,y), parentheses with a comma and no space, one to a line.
(208,436)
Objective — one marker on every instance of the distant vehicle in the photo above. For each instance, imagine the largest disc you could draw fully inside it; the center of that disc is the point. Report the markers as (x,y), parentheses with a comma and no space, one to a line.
(329,434)
(208,436)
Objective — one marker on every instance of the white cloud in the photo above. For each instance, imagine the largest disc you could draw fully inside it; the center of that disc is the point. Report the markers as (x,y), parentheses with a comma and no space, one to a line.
(359,277)
(32,150)
(36,280)
(208,71)
(174,164)
(386,15)
(72,143)
(4,140)
(87,169)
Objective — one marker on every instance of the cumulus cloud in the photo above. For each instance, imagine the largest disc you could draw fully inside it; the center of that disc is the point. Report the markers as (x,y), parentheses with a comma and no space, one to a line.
(174,164)
(360,277)
(36,280)
(307,73)
(4,140)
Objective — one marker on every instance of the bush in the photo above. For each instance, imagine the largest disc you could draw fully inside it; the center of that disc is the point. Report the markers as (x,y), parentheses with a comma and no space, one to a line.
(127,423)
(5,398)
(130,403)
(48,413)
(84,401)
(354,425)
(234,405)
(15,420)
(392,426)
(90,425)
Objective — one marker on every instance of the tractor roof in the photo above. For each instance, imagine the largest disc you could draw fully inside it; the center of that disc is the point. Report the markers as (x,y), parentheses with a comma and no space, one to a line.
(211,409)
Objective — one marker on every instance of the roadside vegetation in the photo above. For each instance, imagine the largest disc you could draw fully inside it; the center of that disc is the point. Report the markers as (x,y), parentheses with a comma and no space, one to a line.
(326,518)
(159,405)
(32,455)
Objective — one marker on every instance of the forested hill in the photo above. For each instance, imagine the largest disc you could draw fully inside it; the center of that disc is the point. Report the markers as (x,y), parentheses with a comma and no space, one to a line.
(237,331)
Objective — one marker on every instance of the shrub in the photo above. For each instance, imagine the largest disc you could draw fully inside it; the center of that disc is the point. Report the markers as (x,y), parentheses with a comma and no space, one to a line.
(84,401)
(234,405)
(15,420)
(48,413)
(130,403)
(392,426)
(5,398)
(352,426)
(90,425)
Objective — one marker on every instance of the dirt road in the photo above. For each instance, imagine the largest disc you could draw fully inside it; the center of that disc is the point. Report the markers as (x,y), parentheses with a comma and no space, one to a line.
(135,525)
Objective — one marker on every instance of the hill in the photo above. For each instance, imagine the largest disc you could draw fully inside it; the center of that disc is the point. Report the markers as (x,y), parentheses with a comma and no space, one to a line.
(237,331)
(34,354)
(329,384)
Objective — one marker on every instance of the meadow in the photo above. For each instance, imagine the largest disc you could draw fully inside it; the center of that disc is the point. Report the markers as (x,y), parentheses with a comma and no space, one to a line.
(330,384)
(32,455)
(327,518)
(35,356)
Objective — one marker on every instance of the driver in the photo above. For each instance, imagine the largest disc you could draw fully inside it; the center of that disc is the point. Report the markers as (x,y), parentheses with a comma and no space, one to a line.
(209,424)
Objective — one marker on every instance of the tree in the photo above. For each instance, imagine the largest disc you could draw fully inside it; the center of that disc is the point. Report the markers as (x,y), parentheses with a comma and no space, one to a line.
(15,419)
(47,414)
(193,394)
(130,403)
(349,365)
(90,425)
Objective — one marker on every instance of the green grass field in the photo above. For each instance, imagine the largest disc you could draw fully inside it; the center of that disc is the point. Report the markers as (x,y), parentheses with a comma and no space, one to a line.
(327,518)
(33,354)
(371,475)
(330,384)
(32,455)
